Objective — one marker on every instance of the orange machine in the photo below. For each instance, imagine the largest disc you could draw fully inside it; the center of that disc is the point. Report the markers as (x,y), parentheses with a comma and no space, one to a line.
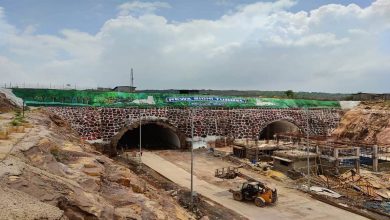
(256,191)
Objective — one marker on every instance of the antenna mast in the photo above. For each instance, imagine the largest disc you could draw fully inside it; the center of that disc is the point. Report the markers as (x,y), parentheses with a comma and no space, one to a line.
(131,79)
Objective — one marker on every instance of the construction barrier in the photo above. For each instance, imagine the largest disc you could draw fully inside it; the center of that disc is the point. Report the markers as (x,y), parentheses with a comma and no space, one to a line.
(93,98)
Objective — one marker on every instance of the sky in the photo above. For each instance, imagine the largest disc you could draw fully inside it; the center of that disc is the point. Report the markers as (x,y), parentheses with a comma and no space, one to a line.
(303,45)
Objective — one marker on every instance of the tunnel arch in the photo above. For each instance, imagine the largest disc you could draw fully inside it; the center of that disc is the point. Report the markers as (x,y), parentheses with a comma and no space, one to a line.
(156,134)
(284,125)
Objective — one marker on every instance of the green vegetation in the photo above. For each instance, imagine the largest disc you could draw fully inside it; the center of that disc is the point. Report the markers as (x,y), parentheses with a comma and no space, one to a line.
(290,94)
(265,94)
(18,119)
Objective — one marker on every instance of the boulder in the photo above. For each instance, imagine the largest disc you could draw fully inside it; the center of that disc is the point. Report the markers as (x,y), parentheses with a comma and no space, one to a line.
(128,212)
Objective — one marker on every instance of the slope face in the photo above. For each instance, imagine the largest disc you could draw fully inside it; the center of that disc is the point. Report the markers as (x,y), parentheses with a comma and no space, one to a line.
(50,164)
(369,122)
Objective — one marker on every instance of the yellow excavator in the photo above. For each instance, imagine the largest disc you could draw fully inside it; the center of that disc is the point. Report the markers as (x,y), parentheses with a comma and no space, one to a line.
(256,191)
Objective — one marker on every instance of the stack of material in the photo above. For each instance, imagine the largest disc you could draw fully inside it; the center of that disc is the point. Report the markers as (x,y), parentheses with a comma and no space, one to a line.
(368,184)
(227,172)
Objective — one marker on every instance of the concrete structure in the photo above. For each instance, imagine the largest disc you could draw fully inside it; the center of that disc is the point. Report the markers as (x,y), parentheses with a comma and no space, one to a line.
(108,125)
(124,89)
(294,160)
(257,150)
(337,160)
(375,157)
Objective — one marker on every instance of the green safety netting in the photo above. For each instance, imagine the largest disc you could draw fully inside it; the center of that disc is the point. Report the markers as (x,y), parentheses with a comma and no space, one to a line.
(52,97)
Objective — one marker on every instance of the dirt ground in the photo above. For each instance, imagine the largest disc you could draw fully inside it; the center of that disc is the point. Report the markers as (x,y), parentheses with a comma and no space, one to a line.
(291,202)
(205,165)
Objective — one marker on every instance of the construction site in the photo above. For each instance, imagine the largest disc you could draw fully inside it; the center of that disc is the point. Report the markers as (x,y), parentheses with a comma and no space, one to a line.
(200,163)
(194,110)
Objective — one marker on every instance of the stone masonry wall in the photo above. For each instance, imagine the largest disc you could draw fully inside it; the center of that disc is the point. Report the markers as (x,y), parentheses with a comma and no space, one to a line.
(102,124)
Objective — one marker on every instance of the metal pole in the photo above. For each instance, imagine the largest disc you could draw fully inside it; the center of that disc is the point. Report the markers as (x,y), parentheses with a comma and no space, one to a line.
(216,132)
(192,158)
(23,108)
(307,149)
(140,138)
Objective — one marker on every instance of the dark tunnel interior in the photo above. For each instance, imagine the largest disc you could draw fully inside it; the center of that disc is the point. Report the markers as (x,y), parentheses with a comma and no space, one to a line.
(278,127)
(154,137)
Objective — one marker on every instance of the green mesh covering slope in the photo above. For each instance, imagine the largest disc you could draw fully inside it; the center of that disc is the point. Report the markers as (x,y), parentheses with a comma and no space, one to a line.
(51,97)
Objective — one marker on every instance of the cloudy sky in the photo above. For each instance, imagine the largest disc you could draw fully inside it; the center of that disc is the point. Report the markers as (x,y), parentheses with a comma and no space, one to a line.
(303,45)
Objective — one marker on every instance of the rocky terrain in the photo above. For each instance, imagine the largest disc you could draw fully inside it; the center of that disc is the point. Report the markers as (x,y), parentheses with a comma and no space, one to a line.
(369,122)
(8,101)
(52,174)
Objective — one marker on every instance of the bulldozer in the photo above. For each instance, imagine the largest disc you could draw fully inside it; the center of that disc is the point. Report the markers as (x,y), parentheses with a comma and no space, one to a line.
(256,191)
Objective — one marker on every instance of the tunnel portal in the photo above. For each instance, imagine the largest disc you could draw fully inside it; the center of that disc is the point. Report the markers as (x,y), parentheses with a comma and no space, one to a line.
(153,137)
(278,127)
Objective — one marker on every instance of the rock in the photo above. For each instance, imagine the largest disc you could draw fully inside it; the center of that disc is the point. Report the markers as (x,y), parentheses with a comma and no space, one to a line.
(15,204)
(120,175)
(11,167)
(124,182)
(90,184)
(128,212)
(8,101)
(91,204)
(369,122)
(83,184)
(103,160)
(13,178)
(171,192)
(58,121)
(90,165)
(74,215)
(97,171)
(205,218)
(72,147)
(40,157)
(137,186)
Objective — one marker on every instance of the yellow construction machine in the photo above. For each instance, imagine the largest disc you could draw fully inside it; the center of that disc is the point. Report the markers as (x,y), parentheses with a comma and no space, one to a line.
(256,191)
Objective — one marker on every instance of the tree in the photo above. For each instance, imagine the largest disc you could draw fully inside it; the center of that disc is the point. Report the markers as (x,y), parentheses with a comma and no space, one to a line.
(290,94)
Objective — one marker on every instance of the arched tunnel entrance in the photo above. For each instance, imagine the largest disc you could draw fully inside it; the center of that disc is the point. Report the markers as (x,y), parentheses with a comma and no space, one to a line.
(278,127)
(154,136)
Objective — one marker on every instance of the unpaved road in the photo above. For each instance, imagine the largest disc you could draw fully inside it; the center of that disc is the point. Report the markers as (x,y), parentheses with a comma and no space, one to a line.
(291,205)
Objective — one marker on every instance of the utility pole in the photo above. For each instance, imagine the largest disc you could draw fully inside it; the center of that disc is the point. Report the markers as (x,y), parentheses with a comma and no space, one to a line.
(192,159)
(140,137)
(216,132)
(23,108)
(131,80)
(307,148)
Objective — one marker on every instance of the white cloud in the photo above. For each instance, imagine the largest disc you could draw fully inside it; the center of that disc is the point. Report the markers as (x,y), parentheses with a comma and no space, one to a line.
(141,7)
(259,46)
(224,2)
(6,30)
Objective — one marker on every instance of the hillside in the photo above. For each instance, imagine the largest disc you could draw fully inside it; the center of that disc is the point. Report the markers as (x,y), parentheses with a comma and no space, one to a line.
(369,122)
(8,101)
(51,174)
